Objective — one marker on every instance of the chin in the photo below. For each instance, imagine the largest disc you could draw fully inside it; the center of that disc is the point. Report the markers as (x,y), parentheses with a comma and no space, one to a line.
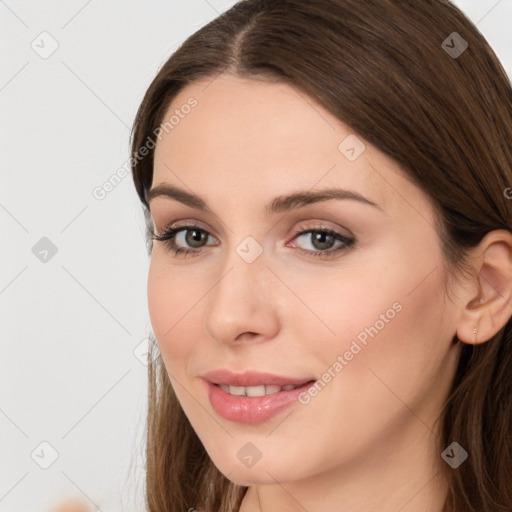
(262,472)
(250,477)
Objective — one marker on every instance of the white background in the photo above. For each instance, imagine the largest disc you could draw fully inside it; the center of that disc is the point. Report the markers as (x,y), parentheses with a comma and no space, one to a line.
(70,325)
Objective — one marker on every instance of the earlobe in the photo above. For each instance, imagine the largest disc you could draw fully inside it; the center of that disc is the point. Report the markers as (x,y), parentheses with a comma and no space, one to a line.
(489,309)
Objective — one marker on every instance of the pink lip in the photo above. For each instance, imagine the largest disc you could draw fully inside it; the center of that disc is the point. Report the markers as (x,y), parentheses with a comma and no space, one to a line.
(251,410)
(245,379)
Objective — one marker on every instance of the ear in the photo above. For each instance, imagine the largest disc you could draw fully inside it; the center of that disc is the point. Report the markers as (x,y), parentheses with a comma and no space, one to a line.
(488,294)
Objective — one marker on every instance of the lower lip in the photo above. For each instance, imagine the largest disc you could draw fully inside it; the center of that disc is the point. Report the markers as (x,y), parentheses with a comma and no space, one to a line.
(252,410)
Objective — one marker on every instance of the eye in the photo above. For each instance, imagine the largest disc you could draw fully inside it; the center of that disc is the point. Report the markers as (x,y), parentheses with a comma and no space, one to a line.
(323,240)
(192,235)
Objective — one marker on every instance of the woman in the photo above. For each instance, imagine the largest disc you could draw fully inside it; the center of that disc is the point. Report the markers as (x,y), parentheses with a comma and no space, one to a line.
(326,187)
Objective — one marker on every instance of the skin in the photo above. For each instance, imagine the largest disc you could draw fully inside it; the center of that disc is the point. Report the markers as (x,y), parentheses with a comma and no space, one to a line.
(368,439)
(72,505)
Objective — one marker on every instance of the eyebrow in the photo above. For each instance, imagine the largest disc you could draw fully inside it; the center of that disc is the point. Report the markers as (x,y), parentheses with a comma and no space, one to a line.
(277,205)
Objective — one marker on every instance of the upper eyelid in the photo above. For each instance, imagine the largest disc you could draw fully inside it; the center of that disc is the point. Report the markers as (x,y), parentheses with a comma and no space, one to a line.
(300,230)
(323,226)
(197,224)
(185,225)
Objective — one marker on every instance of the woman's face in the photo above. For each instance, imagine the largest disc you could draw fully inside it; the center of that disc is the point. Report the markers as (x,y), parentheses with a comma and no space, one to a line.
(356,302)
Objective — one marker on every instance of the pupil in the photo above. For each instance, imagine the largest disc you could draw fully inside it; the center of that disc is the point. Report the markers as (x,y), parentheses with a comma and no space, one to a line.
(320,237)
(191,240)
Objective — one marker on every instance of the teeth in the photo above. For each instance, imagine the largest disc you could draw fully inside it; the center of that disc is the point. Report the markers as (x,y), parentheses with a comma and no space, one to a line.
(237,390)
(255,390)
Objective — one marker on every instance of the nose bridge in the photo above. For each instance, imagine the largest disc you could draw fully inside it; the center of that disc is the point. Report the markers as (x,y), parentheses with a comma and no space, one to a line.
(244,268)
(240,299)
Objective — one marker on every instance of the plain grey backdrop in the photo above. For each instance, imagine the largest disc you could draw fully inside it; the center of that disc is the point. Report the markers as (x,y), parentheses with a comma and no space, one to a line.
(73,275)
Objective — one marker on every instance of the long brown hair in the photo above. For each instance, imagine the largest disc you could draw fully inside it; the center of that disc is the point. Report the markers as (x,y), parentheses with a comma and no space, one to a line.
(395,72)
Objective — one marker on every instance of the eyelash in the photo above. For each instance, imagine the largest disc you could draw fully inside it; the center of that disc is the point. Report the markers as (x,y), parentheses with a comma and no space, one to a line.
(169,234)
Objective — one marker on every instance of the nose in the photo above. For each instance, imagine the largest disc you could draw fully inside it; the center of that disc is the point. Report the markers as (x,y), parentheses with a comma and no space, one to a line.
(242,304)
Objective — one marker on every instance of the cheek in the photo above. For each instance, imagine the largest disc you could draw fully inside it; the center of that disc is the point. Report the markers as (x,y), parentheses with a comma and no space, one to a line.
(391,319)
(170,305)
(340,307)
(398,362)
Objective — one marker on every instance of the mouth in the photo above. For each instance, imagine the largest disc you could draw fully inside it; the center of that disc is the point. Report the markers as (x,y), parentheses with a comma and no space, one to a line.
(253,379)
(262,390)
(252,398)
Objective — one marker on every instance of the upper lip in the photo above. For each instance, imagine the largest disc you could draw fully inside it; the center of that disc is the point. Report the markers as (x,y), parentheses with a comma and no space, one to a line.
(250,378)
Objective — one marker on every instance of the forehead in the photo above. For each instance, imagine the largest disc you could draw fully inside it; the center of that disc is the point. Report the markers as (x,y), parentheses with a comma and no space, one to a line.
(238,116)
(249,135)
